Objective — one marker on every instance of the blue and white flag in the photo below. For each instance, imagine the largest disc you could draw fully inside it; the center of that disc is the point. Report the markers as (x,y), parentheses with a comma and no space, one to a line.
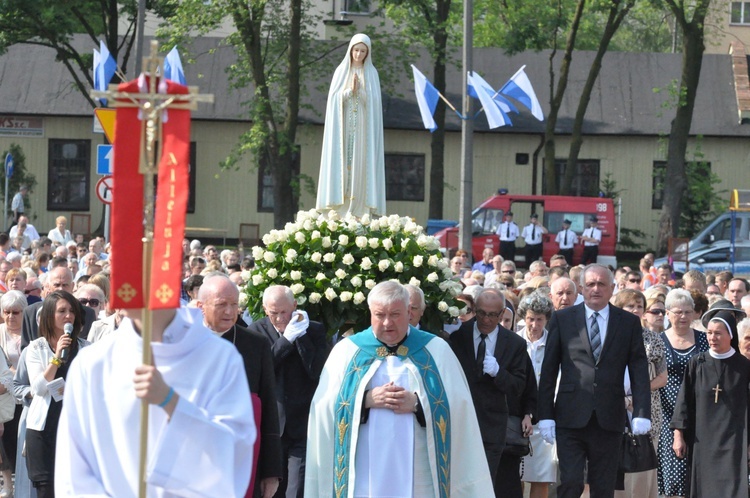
(480,89)
(105,67)
(173,67)
(427,98)
(519,87)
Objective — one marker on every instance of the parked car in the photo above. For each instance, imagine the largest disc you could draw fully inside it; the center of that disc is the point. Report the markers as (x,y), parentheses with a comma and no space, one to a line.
(715,258)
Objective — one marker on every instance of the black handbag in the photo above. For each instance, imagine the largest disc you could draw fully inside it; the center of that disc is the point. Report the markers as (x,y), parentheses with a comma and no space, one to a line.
(516,444)
(637,453)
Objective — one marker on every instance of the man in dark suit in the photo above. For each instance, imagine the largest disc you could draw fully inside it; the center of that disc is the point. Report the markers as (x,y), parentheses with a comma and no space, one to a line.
(60,278)
(299,352)
(218,299)
(494,361)
(590,345)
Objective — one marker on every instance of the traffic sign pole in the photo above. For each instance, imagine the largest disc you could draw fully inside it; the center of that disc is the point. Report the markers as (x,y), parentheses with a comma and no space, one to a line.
(8,173)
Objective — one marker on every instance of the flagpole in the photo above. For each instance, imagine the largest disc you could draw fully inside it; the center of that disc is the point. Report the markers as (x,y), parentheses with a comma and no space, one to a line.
(467,130)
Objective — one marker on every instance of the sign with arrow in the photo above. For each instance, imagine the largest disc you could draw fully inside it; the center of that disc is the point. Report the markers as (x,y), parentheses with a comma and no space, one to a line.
(104,159)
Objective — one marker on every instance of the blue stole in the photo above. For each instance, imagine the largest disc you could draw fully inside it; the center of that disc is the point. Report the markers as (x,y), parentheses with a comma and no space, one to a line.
(370,349)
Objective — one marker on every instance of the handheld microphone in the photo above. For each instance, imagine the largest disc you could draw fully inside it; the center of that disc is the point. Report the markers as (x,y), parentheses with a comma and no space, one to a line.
(68,329)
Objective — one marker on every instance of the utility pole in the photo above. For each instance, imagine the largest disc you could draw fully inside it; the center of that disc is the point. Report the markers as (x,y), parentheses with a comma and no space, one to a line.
(467,132)
(140,24)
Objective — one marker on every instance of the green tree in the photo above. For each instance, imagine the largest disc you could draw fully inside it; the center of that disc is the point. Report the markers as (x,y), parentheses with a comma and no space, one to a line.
(690,18)
(54,24)
(21,176)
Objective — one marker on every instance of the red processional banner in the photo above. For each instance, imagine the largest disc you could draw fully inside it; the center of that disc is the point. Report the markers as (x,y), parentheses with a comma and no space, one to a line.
(172,194)
(128,205)
(126,233)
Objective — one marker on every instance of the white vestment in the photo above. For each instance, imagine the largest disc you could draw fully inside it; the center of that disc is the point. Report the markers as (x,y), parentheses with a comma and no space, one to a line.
(205,450)
(352,163)
(468,471)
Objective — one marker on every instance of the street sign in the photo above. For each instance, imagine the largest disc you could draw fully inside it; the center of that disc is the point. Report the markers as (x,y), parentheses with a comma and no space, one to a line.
(104,159)
(104,189)
(8,165)
(106,118)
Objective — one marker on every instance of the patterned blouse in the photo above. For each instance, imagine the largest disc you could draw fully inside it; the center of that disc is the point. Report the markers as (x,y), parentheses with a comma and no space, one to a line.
(657,363)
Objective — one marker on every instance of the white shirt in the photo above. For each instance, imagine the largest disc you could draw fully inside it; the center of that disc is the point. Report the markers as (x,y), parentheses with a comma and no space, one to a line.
(594,233)
(571,236)
(30,231)
(508,231)
(603,320)
(532,234)
(490,341)
(536,349)
(17,203)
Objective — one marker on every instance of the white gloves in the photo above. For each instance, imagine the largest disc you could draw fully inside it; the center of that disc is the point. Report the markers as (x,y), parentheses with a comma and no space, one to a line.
(452,327)
(296,327)
(641,426)
(547,429)
(490,366)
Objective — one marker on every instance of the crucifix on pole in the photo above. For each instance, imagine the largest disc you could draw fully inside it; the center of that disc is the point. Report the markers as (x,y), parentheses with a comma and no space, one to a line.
(163,138)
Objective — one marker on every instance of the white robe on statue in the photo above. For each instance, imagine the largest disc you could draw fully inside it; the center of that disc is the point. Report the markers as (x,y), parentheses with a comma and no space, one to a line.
(352,164)
(205,450)
(376,466)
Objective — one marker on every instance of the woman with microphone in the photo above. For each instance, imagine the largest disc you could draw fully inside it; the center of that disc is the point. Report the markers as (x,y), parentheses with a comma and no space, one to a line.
(47,360)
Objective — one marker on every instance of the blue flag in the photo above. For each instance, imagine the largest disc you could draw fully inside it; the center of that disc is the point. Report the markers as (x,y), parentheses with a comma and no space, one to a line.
(427,98)
(519,87)
(105,67)
(480,89)
(173,67)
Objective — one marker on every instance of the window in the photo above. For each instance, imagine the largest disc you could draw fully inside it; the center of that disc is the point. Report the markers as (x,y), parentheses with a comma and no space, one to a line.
(68,175)
(585,183)
(265,182)
(657,184)
(356,6)
(740,13)
(404,177)
(486,221)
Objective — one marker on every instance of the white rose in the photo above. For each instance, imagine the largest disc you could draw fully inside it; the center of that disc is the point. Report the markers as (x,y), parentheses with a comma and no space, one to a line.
(244,298)
(415,282)
(269,256)
(330,294)
(246,275)
(445,285)
(326,242)
(333,215)
(374,242)
(387,244)
(296,275)
(432,260)
(320,276)
(399,267)
(257,280)
(315,235)
(301,300)
(422,240)
(417,261)
(383,264)
(258,252)
(432,277)
(340,274)
(282,235)
(442,264)
(291,227)
(404,243)
(333,226)
(453,311)
(300,237)
(443,306)
(410,227)
(356,281)
(366,263)
(348,259)
(307,225)
(359,298)
(316,257)
(365,219)
(346,296)
(291,255)
(361,242)
(375,226)
(302,216)
(314,298)
(370,283)
(329,257)
(297,288)
(269,239)
(343,239)
(272,273)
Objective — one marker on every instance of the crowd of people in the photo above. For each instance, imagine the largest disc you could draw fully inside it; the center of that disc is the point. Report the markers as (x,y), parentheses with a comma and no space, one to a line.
(569,356)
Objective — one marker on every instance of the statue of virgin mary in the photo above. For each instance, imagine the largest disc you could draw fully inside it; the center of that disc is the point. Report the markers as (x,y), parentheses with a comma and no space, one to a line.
(352,165)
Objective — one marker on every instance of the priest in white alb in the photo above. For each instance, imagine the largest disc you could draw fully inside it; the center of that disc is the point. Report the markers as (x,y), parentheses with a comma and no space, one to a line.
(201,426)
(392,415)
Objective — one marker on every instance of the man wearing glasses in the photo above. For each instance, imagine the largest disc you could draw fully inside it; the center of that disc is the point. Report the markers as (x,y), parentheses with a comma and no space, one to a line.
(494,361)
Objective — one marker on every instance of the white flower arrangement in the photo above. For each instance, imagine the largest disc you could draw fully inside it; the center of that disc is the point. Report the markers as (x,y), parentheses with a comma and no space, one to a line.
(331,264)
